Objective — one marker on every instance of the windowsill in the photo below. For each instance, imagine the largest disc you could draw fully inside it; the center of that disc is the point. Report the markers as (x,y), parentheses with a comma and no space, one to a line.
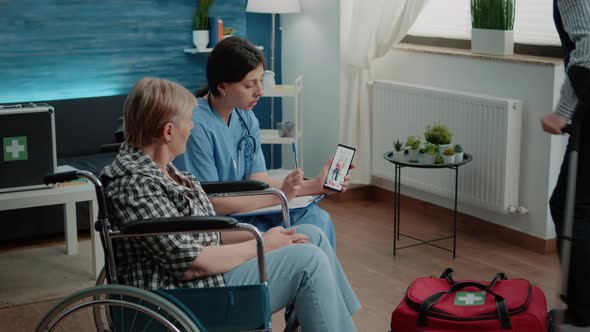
(518,58)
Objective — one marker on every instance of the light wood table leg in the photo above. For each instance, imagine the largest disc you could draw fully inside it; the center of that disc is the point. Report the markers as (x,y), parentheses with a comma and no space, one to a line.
(70,227)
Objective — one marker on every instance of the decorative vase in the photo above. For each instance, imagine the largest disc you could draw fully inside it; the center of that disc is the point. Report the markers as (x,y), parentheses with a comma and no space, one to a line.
(496,42)
(201,39)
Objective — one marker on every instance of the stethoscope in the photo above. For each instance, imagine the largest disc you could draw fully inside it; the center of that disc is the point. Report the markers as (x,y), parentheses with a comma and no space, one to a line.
(246,143)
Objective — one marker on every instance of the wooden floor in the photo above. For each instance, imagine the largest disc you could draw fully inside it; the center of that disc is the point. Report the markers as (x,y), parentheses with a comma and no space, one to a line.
(364,245)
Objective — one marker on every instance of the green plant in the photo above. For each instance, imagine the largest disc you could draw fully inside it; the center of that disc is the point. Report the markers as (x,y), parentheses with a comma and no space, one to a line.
(431,149)
(492,14)
(439,159)
(458,148)
(398,146)
(437,133)
(413,143)
(201,19)
(449,152)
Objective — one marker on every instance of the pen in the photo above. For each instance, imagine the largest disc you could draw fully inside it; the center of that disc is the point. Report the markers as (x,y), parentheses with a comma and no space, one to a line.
(295,154)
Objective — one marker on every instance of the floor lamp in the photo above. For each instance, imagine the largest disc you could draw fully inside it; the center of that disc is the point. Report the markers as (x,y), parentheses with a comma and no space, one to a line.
(273,7)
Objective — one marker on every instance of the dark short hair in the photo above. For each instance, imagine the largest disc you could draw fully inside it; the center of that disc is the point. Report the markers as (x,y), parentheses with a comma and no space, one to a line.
(230,61)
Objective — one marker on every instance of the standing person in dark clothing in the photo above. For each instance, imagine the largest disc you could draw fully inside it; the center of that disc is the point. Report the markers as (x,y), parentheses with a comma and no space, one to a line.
(572,20)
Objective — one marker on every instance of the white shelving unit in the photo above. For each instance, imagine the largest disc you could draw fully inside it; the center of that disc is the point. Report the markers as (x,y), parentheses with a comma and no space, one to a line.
(208,50)
(292,111)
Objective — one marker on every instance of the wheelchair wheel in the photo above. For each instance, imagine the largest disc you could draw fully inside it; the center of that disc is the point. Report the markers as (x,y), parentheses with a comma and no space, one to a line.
(125,309)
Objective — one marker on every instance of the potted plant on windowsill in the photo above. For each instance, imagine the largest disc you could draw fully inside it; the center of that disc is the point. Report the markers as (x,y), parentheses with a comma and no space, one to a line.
(492,24)
(201,24)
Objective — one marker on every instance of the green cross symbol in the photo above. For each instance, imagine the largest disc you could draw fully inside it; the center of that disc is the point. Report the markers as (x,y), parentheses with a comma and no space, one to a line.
(470,298)
(15,148)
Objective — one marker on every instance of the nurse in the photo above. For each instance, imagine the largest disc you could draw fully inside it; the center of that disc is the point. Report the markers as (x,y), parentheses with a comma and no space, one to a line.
(224,144)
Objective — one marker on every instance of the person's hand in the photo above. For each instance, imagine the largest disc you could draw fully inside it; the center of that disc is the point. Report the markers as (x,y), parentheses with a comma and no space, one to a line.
(553,123)
(292,184)
(278,237)
(324,173)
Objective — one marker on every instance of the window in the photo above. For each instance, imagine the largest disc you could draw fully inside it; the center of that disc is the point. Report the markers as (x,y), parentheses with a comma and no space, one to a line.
(452,19)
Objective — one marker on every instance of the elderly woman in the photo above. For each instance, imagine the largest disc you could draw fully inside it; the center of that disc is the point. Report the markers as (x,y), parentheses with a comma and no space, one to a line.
(142,183)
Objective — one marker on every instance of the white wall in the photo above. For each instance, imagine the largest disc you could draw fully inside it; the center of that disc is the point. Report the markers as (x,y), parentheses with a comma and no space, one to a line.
(535,84)
(311,46)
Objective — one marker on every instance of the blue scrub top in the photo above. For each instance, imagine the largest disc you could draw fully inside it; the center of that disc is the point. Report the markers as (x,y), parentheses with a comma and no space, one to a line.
(218,152)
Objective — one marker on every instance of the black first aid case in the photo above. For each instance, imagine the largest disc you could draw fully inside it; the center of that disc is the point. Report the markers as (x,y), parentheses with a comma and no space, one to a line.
(27,137)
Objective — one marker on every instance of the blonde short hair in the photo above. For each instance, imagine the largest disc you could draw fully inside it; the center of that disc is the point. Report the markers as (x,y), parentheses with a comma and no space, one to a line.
(151,104)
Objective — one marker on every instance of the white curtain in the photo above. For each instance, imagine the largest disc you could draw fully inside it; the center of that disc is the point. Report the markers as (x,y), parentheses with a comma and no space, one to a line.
(370,28)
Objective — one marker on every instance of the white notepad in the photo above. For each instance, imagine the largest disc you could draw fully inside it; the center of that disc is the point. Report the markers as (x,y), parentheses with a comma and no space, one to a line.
(297,203)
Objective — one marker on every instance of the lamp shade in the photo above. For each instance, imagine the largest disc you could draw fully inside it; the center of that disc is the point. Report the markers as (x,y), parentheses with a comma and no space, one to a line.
(273,6)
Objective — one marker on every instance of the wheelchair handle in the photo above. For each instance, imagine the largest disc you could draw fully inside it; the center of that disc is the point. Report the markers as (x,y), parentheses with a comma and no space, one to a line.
(60,177)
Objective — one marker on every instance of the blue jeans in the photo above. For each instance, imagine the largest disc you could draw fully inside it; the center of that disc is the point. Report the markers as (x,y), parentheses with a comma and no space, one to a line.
(313,215)
(308,275)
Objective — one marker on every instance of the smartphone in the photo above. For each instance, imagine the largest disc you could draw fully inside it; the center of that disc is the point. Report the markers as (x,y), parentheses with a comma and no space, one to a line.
(339,167)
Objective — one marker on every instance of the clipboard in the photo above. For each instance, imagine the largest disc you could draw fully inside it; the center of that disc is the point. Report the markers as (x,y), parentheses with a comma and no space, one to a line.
(296,204)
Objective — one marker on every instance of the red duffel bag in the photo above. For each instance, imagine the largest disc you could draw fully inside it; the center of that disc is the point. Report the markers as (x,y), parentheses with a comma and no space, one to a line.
(443,304)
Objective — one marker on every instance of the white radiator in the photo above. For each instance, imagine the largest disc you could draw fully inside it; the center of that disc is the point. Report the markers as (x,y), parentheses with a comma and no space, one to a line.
(487,127)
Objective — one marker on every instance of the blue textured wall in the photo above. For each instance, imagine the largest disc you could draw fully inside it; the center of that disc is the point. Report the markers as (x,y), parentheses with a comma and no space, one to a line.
(64,49)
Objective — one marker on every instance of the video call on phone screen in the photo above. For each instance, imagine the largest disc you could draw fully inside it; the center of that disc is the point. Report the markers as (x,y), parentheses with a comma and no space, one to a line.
(339,167)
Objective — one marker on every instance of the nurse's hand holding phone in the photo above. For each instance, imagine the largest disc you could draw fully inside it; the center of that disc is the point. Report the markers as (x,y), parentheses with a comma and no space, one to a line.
(337,177)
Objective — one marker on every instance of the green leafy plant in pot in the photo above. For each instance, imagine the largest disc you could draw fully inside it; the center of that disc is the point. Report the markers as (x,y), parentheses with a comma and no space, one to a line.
(492,26)
(458,153)
(398,150)
(438,134)
(414,144)
(201,24)
(430,153)
(449,155)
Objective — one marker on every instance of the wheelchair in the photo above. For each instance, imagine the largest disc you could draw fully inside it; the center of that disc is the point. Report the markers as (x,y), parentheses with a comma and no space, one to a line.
(112,307)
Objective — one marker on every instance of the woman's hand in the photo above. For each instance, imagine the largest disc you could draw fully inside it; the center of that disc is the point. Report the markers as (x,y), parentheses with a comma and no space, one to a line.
(278,237)
(324,174)
(292,184)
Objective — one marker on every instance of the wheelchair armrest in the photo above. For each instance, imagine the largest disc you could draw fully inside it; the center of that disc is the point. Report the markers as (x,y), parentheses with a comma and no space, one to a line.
(192,224)
(233,186)
(178,225)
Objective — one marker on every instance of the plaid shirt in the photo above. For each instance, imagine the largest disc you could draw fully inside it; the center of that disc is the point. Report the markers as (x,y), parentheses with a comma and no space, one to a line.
(137,189)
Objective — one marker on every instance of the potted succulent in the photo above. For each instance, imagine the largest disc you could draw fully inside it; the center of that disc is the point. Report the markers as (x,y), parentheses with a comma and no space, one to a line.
(458,153)
(201,24)
(398,150)
(438,134)
(492,24)
(414,144)
(430,152)
(449,156)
